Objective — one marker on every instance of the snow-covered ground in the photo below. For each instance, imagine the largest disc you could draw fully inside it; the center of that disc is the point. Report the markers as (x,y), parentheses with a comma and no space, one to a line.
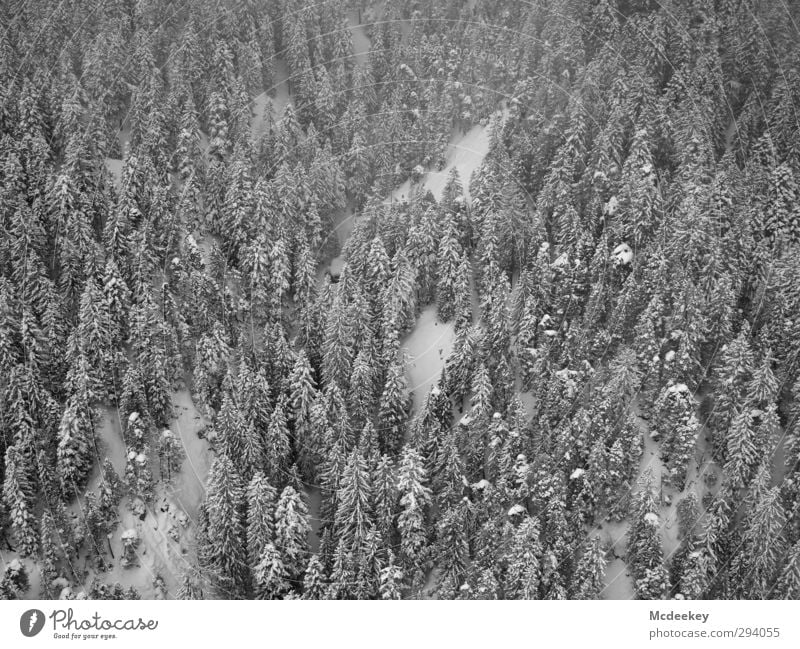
(276,97)
(111,444)
(345,220)
(189,486)
(431,341)
(618,583)
(314,500)
(361,42)
(465,153)
(114,166)
(166,532)
(427,348)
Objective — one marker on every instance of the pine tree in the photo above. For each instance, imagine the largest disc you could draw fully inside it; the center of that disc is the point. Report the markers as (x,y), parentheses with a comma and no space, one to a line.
(449,266)
(170,455)
(735,372)
(94,331)
(742,452)
(302,396)
(270,575)
(384,497)
(228,431)
(277,447)
(314,584)
(343,576)
(336,348)
(524,577)
(677,426)
(415,498)
(76,448)
(645,554)
(788,586)
(49,560)
(117,300)
(363,381)
(225,499)
(291,532)
(353,518)
(18,495)
(393,412)
(391,579)
(111,491)
(261,502)
(138,475)
(453,542)
(589,573)
(763,545)
(15,581)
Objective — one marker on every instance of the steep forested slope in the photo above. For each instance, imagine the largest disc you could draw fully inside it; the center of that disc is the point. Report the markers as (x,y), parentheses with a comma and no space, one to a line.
(236,236)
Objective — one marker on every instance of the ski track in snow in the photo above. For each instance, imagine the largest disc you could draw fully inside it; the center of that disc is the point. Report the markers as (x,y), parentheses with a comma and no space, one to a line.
(172,512)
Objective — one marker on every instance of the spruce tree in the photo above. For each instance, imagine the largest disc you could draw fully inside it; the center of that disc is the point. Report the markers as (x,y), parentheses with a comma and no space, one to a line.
(645,556)
(291,532)
(225,501)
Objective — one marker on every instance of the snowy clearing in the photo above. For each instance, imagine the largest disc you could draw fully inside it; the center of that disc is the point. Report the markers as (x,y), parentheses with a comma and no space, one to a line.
(427,348)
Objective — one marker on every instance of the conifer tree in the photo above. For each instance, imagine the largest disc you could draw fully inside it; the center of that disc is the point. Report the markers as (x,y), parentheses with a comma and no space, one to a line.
(261,502)
(18,495)
(415,498)
(227,552)
(277,448)
(291,532)
(523,580)
(589,573)
(392,415)
(353,518)
(314,585)
(645,554)
(270,575)
(302,396)
(391,579)
(76,446)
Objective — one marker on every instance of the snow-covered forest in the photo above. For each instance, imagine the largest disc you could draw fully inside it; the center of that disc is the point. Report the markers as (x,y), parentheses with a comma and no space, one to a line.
(442,299)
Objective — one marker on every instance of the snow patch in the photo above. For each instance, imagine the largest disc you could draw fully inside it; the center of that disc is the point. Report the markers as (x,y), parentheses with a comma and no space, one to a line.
(427,348)
(623,255)
(651,518)
(465,153)
(678,387)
